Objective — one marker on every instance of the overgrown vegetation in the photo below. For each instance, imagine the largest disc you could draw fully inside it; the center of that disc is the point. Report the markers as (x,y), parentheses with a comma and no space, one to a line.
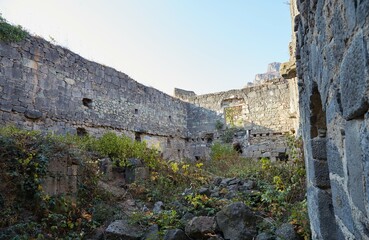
(29,213)
(11,33)
(281,184)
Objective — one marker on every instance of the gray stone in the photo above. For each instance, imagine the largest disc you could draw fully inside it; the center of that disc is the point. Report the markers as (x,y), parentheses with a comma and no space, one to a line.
(286,232)
(158,207)
(176,234)
(201,227)
(319,148)
(355,162)
(237,222)
(341,206)
(217,181)
(320,178)
(334,159)
(204,191)
(19,109)
(321,213)
(249,184)
(265,236)
(186,218)
(354,79)
(106,167)
(33,114)
(120,229)
(152,233)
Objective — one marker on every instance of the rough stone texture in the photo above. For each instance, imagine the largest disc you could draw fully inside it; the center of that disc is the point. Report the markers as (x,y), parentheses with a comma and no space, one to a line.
(286,231)
(237,222)
(354,78)
(201,227)
(272,73)
(120,229)
(332,70)
(176,234)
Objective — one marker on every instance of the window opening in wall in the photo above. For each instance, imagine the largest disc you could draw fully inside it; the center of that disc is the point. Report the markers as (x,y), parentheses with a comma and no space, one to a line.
(317,114)
(237,147)
(170,118)
(168,142)
(136,111)
(179,153)
(202,139)
(138,137)
(197,158)
(87,102)
(81,132)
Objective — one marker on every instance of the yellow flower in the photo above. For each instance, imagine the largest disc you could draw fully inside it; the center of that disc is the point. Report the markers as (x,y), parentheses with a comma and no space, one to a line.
(199,165)
(174,167)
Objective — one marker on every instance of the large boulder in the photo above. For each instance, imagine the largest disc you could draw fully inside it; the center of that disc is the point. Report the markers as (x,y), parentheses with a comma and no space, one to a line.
(121,229)
(237,222)
(201,227)
(176,234)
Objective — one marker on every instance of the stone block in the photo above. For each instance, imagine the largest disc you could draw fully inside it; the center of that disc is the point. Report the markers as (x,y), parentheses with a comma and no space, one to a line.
(32,114)
(319,148)
(334,159)
(319,175)
(321,213)
(341,205)
(354,79)
(354,158)
(365,146)
(19,109)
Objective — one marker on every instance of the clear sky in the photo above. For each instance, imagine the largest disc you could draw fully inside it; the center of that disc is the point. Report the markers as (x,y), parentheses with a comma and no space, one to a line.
(200,45)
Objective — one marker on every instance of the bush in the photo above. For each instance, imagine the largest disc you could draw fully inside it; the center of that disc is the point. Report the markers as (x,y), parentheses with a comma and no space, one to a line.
(10,33)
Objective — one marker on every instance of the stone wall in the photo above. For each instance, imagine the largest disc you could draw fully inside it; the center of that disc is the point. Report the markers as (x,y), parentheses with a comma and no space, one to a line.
(263,111)
(333,71)
(47,87)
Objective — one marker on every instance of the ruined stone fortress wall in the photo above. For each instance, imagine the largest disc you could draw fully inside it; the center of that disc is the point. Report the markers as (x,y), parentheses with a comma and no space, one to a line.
(43,86)
(333,76)
(49,88)
(264,111)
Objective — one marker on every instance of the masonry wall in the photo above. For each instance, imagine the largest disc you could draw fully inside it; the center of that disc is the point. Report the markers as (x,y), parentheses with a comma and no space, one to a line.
(333,71)
(47,87)
(265,111)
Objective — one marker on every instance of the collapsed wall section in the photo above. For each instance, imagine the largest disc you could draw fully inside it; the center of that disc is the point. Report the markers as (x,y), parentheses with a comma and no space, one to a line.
(49,88)
(333,70)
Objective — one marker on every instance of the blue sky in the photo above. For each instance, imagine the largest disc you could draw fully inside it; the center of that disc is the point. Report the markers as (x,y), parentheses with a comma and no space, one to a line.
(200,45)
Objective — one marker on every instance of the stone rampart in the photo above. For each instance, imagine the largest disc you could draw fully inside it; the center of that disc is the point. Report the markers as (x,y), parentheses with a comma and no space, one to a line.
(47,87)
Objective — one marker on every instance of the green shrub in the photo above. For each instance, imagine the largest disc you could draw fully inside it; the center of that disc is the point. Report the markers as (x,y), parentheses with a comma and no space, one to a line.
(10,33)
